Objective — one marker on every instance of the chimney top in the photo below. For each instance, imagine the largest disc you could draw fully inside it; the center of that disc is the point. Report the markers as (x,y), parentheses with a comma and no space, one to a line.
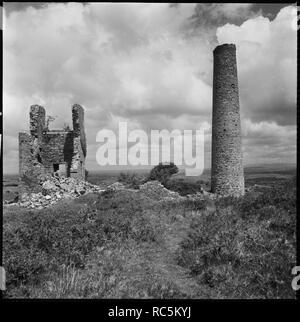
(224,47)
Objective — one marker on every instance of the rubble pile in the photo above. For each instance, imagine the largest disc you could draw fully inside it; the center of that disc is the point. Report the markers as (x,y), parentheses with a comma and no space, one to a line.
(57,188)
(115,186)
(155,190)
(201,195)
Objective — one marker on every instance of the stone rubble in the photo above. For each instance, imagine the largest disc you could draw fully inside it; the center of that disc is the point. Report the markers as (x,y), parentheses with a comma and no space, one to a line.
(115,186)
(58,188)
(155,190)
(202,195)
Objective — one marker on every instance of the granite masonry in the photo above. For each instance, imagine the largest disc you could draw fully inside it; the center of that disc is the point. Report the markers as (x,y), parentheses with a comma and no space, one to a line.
(44,152)
(227,176)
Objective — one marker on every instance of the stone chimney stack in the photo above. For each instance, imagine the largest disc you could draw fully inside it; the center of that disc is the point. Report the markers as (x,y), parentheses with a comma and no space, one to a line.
(78,125)
(37,120)
(227,177)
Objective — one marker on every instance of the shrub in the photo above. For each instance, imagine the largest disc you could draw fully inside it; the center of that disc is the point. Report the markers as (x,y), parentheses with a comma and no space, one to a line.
(162,172)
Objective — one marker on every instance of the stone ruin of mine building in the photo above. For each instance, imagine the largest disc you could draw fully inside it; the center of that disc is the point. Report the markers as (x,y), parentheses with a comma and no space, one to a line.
(43,152)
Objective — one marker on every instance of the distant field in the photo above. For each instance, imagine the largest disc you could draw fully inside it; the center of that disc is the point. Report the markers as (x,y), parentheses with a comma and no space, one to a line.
(261,175)
(268,175)
(253,174)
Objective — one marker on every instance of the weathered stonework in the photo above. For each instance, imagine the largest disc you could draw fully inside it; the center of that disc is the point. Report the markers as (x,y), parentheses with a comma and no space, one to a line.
(227,176)
(44,151)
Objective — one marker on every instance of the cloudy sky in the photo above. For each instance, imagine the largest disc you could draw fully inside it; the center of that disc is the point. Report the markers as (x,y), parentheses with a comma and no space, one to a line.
(151,66)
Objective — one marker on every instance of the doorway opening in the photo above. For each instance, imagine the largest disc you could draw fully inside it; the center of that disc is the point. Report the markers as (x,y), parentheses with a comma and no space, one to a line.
(60,169)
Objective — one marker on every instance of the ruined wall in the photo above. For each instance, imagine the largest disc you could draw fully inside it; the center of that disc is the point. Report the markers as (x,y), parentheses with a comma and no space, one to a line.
(31,171)
(227,176)
(43,150)
(80,149)
(37,120)
(56,148)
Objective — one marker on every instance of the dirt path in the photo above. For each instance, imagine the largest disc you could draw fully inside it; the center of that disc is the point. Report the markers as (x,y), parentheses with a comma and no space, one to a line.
(165,262)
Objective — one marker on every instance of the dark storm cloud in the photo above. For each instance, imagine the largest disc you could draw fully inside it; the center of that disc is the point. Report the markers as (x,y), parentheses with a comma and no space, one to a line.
(213,15)
(19,6)
(270,10)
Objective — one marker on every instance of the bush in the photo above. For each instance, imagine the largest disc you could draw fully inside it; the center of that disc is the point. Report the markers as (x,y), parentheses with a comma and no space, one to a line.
(162,172)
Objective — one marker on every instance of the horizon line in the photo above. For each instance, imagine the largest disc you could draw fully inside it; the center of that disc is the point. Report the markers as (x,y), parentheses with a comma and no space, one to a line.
(180,167)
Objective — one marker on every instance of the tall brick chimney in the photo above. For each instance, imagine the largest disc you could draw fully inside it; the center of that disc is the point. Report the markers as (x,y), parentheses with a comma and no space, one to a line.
(227,177)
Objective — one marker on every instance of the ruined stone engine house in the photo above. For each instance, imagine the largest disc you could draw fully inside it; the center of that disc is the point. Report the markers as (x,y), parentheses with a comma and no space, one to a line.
(43,152)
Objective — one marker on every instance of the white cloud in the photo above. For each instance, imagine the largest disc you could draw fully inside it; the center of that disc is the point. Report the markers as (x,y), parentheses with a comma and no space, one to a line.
(267,60)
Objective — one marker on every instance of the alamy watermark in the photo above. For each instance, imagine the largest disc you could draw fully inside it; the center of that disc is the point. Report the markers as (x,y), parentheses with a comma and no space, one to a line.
(137,148)
(296,280)
(2,279)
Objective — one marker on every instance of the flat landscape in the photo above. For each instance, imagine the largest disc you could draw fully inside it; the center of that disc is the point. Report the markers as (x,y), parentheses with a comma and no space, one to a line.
(129,243)
(263,174)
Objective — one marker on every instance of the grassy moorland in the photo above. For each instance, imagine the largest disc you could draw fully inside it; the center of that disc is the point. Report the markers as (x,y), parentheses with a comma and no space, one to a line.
(124,244)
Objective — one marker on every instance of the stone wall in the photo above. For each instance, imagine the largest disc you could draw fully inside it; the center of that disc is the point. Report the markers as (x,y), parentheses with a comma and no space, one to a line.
(57,148)
(37,120)
(227,164)
(31,171)
(77,169)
